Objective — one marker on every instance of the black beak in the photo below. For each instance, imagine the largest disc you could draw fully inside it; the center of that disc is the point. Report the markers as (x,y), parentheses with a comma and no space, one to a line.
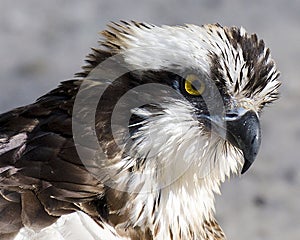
(243,131)
(239,127)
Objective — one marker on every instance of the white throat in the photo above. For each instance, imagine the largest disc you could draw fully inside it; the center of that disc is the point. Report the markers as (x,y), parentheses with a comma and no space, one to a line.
(183,169)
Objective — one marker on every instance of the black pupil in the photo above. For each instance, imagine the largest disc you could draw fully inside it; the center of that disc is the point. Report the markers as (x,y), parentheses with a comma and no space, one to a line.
(196,85)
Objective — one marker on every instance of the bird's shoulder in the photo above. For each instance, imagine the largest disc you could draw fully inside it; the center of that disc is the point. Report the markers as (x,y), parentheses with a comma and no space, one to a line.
(41,174)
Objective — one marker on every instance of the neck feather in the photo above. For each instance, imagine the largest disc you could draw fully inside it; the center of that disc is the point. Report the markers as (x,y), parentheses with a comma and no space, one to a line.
(174,188)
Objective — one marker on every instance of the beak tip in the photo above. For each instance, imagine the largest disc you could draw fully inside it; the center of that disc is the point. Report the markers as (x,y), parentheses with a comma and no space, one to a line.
(246,166)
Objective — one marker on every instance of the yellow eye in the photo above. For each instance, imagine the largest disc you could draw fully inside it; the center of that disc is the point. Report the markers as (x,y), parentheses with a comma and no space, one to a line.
(193,85)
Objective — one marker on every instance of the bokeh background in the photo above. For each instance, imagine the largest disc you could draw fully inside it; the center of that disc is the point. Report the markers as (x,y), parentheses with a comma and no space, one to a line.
(44,42)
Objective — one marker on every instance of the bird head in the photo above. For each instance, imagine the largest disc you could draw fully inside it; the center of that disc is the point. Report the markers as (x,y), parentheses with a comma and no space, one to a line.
(191,84)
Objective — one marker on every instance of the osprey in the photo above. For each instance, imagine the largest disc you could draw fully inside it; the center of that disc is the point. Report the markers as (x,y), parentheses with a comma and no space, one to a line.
(137,144)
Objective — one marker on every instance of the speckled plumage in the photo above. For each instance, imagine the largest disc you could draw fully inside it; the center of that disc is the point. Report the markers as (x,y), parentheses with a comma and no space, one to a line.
(161,171)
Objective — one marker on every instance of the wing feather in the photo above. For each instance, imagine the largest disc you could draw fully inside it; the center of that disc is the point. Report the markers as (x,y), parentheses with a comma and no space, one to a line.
(42,177)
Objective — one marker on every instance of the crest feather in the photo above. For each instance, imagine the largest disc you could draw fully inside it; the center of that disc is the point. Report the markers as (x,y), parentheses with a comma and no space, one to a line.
(113,42)
(239,61)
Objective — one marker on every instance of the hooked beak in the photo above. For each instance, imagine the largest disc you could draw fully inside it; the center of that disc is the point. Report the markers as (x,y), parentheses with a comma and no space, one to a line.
(242,129)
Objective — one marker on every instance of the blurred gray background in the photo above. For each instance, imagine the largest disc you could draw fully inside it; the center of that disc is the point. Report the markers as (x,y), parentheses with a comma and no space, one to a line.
(44,42)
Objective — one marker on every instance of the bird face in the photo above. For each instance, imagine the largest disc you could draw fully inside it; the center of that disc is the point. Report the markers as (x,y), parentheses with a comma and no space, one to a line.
(205,85)
(202,106)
